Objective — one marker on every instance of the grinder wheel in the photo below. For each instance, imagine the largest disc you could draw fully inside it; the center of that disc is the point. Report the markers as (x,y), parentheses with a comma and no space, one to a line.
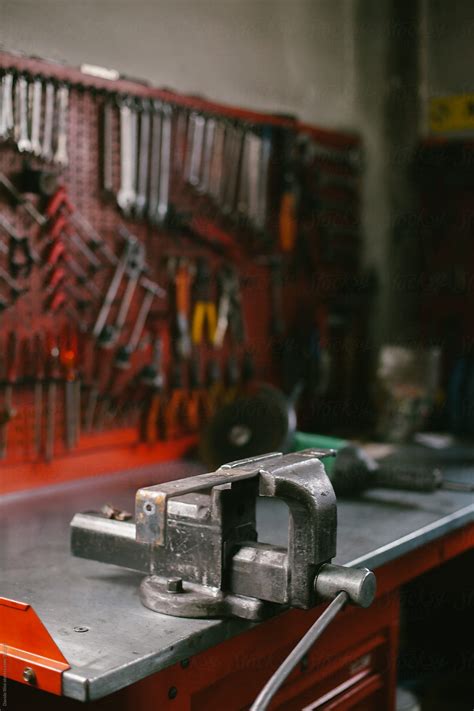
(250,425)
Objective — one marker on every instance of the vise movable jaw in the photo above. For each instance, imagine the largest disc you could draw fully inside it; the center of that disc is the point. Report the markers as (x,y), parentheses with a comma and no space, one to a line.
(196,539)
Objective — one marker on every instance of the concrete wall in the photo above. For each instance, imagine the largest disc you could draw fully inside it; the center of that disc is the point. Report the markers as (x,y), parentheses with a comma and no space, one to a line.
(287,55)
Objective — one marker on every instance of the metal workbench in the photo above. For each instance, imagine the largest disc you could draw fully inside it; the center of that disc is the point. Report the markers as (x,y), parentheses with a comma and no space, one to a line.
(124,641)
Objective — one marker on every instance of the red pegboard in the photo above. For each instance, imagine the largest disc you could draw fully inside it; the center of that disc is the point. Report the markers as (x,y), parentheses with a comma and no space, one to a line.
(235,244)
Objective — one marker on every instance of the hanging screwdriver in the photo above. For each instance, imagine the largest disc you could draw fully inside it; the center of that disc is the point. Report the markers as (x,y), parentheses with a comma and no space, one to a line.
(151,377)
(215,386)
(198,402)
(288,218)
(38,374)
(26,382)
(101,368)
(176,408)
(53,376)
(182,282)
(10,378)
(118,378)
(68,360)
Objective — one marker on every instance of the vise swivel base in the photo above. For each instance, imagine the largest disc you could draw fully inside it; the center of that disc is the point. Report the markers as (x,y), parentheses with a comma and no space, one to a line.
(196,540)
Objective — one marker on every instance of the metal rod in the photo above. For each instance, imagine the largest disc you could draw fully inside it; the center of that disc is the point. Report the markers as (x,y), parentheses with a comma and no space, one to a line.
(304,645)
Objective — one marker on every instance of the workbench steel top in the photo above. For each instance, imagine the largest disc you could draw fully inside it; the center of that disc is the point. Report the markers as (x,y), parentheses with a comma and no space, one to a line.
(125,641)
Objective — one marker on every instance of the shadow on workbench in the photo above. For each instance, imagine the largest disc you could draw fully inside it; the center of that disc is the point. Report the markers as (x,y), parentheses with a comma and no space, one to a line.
(436,646)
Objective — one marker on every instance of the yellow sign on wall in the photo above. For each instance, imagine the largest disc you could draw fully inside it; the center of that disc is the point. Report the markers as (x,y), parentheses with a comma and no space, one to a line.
(451,113)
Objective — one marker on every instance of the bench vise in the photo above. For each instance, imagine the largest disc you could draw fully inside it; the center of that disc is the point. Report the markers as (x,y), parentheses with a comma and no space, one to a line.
(196,541)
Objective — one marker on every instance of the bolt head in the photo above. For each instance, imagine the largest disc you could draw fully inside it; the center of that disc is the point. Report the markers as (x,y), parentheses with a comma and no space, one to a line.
(29,675)
(174,585)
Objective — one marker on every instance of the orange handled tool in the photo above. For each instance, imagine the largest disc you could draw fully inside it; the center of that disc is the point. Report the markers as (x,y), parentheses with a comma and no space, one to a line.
(287,221)
(288,217)
(182,282)
(204,308)
(68,360)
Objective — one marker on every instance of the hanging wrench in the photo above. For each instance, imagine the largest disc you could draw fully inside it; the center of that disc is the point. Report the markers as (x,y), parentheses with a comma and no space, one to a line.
(265,154)
(107,148)
(165,165)
(232,162)
(21,122)
(13,234)
(7,120)
(22,202)
(227,152)
(254,157)
(179,148)
(61,155)
(243,190)
(123,356)
(36,105)
(16,289)
(111,333)
(205,177)
(217,160)
(189,146)
(143,159)
(113,287)
(128,125)
(196,128)
(48,123)
(155,158)
(152,290)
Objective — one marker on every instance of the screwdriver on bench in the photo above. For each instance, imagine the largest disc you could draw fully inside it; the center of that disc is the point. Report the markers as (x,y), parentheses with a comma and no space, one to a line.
(353,470)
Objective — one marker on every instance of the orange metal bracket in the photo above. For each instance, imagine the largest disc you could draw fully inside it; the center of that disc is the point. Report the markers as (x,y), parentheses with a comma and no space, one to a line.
(28,653)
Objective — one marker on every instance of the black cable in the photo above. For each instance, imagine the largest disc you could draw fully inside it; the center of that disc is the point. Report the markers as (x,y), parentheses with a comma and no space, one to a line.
(286,667)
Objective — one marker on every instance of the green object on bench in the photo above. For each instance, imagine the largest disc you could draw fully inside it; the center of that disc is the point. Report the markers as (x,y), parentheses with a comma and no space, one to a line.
(309,440)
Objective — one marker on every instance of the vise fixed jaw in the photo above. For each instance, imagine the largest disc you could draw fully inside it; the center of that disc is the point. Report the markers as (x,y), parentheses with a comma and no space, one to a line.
(196,539)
